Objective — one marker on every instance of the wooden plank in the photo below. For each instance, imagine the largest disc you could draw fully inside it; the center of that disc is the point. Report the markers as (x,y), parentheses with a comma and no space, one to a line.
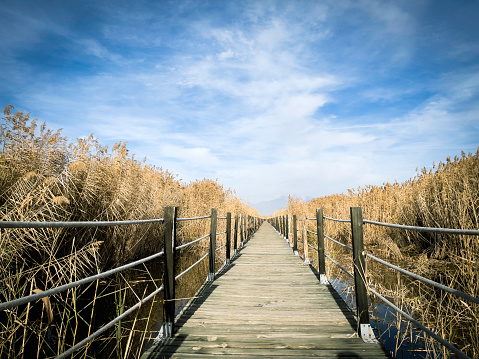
(266,304)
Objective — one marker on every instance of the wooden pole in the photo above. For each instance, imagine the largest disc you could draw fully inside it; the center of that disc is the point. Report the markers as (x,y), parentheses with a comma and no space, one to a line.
(228,237)
(242,230)
(236,234)
(214,218)
(248,223)
(169,272)
(305,241)
(295,235)
(321,257)
(287,228)
(359,262)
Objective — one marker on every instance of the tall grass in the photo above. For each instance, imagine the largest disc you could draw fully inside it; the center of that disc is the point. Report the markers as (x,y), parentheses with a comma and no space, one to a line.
(44,177)
(446,196)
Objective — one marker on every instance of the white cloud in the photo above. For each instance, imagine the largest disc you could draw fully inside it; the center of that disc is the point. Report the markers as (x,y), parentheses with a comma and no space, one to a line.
(258,102)
(395,20)
(94,48)
(225,55)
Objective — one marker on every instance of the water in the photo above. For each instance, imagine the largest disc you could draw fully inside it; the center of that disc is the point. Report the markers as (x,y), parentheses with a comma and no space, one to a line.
(402,341)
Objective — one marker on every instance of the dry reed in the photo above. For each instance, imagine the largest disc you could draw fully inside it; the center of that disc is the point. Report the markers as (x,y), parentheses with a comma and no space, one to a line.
(43,177)
(446,196)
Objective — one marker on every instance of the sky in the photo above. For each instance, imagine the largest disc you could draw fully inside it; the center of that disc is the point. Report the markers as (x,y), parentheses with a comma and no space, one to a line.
(271,98)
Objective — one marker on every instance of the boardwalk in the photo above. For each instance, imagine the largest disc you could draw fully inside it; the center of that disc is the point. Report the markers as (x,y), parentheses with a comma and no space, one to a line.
(266,304)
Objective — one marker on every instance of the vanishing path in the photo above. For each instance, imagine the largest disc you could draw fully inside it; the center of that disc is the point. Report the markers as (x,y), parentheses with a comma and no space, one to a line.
(266,304)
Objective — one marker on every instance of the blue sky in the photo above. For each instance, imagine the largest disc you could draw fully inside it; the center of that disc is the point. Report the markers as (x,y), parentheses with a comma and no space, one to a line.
(271,98)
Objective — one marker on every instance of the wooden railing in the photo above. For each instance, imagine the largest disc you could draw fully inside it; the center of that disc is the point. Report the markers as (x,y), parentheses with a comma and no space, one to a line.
(359,255)
(244,226)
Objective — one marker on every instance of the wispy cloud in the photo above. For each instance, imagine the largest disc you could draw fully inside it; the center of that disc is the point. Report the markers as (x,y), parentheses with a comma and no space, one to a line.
(269,97)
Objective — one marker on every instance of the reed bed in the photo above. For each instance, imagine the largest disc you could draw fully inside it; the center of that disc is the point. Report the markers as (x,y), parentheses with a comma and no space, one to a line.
(446,196)
(44,177)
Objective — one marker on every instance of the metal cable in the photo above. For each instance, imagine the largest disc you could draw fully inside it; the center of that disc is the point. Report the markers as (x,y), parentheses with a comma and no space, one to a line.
(415,322)
(196,240)
(22,224)
(426,280)
(311,219)
(221,217)
(312,232)
(30,298)
(220,248)
(338,220)
(339,266)
(473,232)
(192,266)
(36,296)
(192,219)
(341,244)
(313,247)
(108,325)
(423,328)
(220,233)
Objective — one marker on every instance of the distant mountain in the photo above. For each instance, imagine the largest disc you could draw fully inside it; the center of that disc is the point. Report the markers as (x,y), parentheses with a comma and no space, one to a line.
(267,208)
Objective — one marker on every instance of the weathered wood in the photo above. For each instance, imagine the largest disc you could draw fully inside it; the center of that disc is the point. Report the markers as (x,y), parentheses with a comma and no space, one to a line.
(228,238)
(212,253)
(359,265)
(169,271)
(266,304)
(295,234)
(236,234)
(321,256)
(305,240)
(287,228)
(241,230)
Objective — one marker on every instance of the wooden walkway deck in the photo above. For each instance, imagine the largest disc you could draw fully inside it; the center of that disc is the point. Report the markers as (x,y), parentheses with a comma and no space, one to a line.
(266,304)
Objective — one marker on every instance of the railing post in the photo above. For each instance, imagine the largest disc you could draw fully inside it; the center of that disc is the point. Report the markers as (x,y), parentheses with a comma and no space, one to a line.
(241,230)
(287,229)
(169,272)
(236,234)
(295,235)
(305,241)
(321,257)
(214,216)
(364,330)
(228,238)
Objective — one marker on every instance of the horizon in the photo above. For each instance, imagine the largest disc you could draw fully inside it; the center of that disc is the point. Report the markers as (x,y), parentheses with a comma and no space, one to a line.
(271,98)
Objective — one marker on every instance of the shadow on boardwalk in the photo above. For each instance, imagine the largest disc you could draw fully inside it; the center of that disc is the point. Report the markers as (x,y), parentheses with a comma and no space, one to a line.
(266,304)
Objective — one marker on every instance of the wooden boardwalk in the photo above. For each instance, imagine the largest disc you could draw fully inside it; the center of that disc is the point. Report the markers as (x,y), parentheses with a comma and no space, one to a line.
(266,304)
